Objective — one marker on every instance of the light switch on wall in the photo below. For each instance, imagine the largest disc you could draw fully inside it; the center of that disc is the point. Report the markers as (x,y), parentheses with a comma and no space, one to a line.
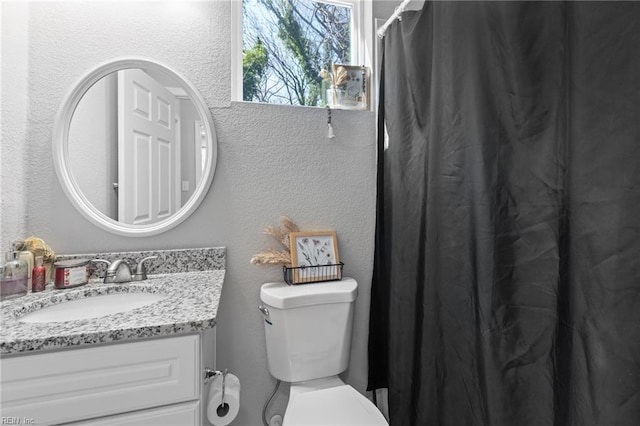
(185,185)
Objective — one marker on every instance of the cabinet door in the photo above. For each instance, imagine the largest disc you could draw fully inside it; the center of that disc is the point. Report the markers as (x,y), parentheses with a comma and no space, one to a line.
(186,414)
(65,386)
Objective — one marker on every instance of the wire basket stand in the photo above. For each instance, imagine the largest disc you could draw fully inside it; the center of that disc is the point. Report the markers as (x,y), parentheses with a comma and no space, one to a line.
(294,275)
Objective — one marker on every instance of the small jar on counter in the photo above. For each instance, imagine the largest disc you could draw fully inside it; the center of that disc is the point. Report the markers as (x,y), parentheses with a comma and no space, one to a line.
(71,273)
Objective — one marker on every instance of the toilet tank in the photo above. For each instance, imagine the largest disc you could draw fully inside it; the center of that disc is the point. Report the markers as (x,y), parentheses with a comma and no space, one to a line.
(308,328)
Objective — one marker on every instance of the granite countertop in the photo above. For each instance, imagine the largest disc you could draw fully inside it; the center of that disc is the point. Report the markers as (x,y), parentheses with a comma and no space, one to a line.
(191,306)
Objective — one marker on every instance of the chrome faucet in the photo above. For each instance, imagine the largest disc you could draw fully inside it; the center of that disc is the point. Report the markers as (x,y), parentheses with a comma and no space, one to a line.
(120,272)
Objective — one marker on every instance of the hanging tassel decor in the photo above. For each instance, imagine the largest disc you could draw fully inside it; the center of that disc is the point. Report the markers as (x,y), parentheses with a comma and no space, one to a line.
(330,133)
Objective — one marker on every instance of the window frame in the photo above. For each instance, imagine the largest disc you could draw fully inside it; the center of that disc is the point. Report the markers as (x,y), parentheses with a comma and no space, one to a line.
(361,41)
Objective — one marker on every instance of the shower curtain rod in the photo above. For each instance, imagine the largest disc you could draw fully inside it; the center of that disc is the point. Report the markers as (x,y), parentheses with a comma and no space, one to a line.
(396,14)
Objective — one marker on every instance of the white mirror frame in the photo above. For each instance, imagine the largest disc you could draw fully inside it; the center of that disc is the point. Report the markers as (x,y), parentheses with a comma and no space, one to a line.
(61,150)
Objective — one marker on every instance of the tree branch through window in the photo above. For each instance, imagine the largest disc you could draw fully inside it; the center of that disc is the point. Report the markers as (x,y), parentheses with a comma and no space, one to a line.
(285,45)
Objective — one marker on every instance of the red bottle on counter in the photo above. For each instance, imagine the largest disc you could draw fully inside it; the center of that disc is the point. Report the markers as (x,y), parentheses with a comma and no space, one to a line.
(39,275)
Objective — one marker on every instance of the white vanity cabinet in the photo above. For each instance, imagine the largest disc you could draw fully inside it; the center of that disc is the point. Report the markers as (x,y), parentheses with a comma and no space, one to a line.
(146,382)
(187,413)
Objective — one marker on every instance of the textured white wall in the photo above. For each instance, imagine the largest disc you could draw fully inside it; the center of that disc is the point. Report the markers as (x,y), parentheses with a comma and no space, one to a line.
(272,160)
(13,125)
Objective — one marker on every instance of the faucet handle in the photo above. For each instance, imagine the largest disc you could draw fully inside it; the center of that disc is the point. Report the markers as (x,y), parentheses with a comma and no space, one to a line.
(141,269)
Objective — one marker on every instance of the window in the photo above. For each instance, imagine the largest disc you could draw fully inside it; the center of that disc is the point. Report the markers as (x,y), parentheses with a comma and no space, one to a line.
(281,47)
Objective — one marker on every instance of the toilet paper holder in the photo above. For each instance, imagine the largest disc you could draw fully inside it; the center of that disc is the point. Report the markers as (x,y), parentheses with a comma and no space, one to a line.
(223,408)
(209,373)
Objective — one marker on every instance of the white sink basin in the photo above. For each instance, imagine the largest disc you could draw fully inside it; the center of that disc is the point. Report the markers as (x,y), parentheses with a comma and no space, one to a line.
(92,307)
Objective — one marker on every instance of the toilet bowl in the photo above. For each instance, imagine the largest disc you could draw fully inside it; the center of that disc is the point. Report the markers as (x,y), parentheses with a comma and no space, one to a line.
(308,337)
(336,404)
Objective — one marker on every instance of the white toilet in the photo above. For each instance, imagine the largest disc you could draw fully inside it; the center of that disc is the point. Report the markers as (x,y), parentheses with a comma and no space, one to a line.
(308,334)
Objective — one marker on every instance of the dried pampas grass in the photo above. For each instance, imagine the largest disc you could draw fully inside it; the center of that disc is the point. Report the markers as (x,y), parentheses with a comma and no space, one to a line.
(38,247)
(272,257)
(340,75)
(281,235)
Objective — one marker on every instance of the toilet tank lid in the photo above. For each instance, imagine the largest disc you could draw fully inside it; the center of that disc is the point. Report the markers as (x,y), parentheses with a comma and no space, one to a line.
(283,296)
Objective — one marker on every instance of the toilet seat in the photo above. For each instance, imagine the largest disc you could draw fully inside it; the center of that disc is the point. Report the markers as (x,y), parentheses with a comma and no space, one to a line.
(339,406)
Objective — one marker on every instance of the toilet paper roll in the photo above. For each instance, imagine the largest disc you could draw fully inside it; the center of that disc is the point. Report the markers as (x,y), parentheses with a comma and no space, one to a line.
(231,397)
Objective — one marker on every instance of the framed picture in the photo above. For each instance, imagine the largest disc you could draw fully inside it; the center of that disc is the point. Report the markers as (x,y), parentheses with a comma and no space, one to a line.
(350,87)
(314,255)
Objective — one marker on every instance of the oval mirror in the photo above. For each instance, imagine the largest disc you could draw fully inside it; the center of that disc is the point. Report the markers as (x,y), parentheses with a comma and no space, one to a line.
(134,147)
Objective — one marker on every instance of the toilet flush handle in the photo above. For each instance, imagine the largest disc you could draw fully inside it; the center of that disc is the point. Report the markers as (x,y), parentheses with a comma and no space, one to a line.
(264,310)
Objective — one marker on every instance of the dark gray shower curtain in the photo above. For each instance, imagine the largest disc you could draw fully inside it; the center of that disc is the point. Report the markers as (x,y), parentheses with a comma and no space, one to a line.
(506,283)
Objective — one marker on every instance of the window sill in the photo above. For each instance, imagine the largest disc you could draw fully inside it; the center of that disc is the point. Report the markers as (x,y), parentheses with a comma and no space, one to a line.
(300,106)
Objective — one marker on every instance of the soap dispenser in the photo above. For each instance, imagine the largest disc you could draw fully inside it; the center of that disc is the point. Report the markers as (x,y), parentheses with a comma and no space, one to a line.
(15,274)
(28,257)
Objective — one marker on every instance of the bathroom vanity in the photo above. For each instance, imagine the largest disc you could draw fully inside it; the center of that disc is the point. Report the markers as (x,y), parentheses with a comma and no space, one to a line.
(133,352)
(144,365)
